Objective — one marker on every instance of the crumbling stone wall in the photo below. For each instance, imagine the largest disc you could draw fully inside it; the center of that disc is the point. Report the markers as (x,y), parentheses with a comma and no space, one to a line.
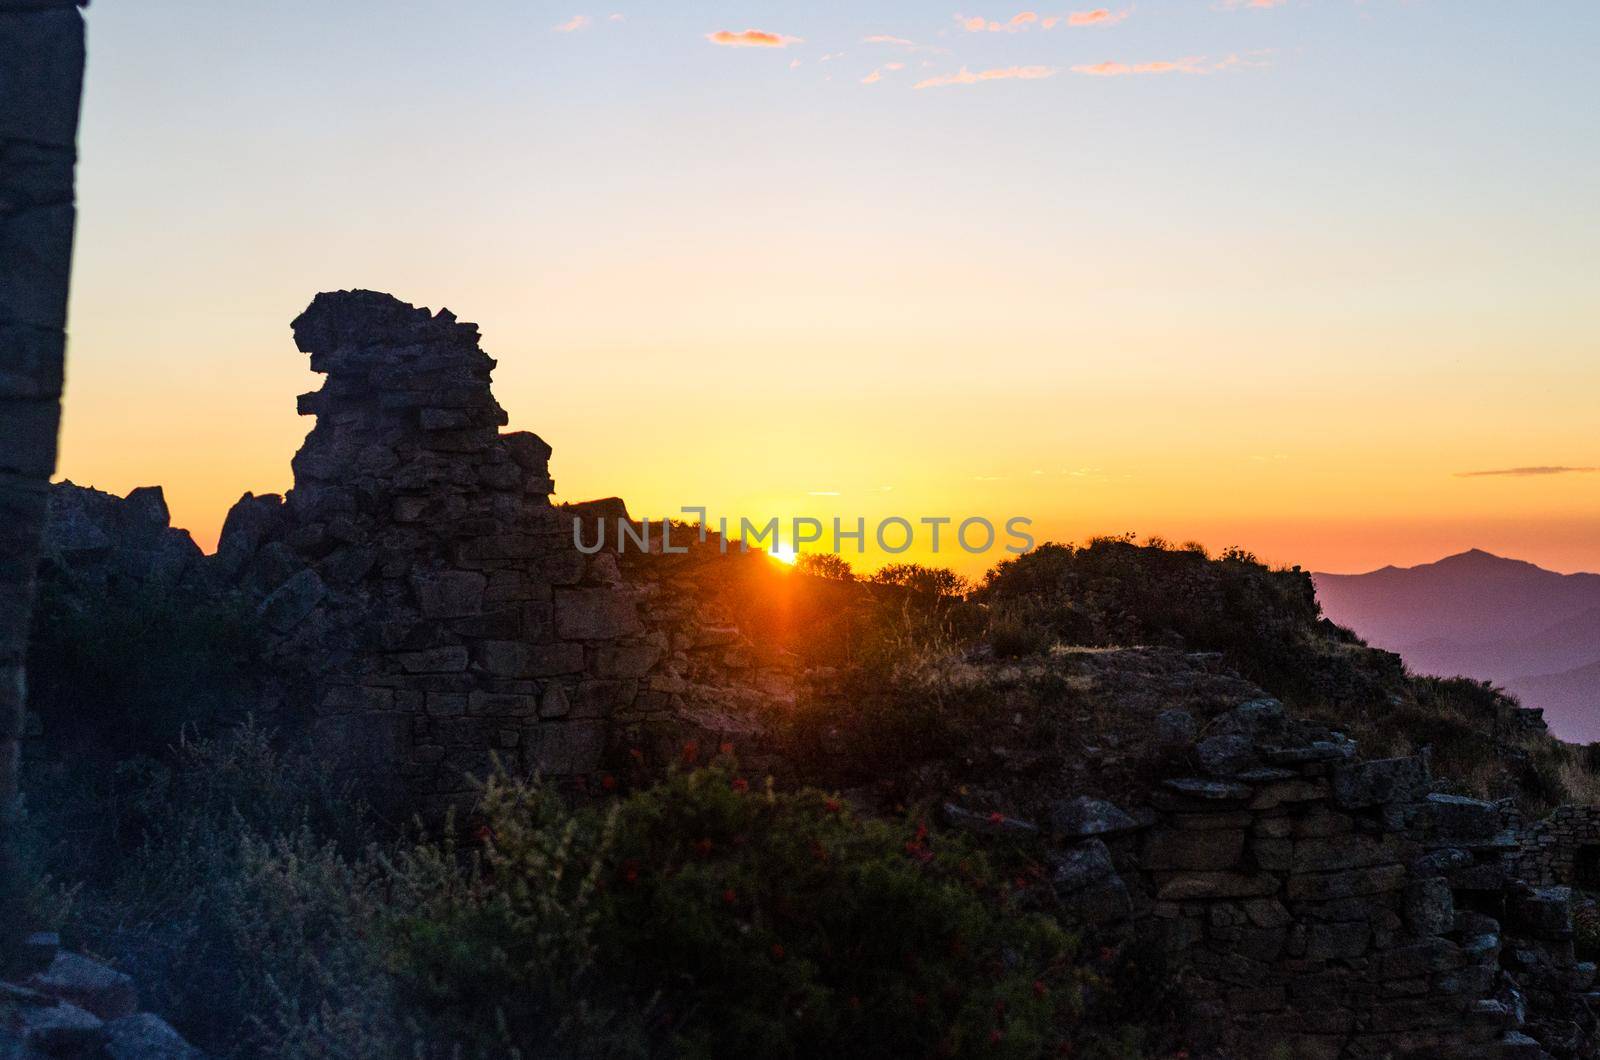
(1564,848)
(1333,906)
(41,78)
(418,559)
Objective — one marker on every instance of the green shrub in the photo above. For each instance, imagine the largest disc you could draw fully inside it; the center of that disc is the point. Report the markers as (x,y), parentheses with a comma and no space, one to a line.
(231,884)
(731,922)
(825,565)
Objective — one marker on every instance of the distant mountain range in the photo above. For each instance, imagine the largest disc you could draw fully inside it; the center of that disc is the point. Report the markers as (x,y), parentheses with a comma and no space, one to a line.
(1532,631)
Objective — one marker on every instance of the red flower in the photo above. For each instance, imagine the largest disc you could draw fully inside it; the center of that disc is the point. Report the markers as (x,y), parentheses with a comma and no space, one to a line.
(636,754)
(728,897)
(832,805)
(725,748)
(741,785)
(703,847)
(997,818)
(608,782)
(997,1036)
(630,871)
(484,834)
(777,951)
(691,752)
(1039,989)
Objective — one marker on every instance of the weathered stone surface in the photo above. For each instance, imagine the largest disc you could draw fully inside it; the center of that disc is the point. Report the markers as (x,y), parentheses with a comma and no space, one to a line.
(61,1030)
(1083,816)
(1213,790)
(1458,817)
(449,594)
(593,614)
(291,602)
(1086,883)
(1430,906)
(1192,885)
(1175,728)
(93,987)
(1194,850)
(1544,912)
(1384,780)
(1225,754)
(146,1036)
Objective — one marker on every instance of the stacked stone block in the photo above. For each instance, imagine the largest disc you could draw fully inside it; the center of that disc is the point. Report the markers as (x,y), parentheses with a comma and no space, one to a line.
(418,559)
(1331,906)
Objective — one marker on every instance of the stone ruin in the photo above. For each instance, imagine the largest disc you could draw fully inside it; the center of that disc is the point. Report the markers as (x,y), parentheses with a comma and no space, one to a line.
(1340,907)
(1335,906)
(419,560)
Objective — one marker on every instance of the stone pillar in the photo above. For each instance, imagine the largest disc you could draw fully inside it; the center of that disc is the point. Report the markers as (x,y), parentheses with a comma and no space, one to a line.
(41,77)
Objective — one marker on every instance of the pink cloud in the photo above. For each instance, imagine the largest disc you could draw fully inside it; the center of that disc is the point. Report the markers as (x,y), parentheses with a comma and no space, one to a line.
(967,77)
(1100,16)
(884,38)
(1190,65)
(573,24)
(1015,24)
(1233,5)
(877,75)
(751,38)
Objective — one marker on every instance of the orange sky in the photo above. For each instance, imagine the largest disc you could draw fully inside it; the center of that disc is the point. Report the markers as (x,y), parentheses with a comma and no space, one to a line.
(1282,301)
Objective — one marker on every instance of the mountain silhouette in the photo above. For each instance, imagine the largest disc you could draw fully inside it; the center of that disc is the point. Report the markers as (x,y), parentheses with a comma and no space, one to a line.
(1534,631)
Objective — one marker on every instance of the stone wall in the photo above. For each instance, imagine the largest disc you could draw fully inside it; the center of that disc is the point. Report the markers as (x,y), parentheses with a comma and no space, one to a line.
(41,76)
(1333,906)
(1564,848)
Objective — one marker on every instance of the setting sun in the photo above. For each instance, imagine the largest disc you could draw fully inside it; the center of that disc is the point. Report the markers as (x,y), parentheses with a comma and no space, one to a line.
(784,554)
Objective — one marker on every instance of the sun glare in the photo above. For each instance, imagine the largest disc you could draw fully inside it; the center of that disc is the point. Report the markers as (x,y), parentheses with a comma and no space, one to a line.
(784,554)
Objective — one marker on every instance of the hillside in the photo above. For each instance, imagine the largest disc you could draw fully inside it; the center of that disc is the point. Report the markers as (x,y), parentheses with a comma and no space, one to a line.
(1486,617)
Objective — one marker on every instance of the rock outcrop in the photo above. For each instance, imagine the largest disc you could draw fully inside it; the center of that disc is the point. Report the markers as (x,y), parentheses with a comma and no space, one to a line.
(69,1007)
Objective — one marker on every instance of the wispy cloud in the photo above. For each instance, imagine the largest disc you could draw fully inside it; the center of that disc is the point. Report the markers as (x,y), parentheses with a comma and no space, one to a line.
(884,38)
(1100,16)
(877,75)
(573,24)
(752,38)
(1026,20)
(1528,472)
(1002,73)
(1234,5)
(1193,64)
(1015,24)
